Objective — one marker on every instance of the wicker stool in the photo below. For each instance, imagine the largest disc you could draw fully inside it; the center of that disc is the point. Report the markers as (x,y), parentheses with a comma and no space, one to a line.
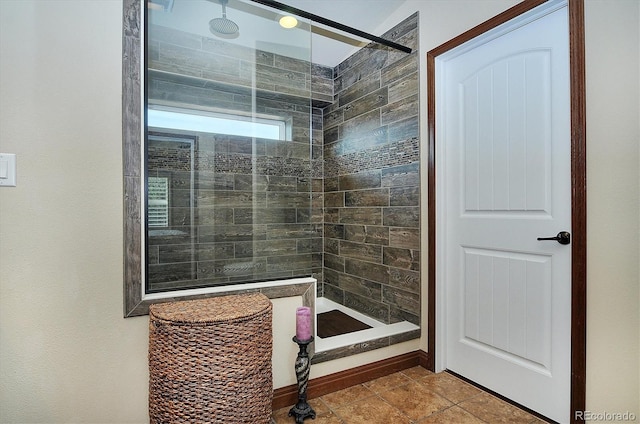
(210,360)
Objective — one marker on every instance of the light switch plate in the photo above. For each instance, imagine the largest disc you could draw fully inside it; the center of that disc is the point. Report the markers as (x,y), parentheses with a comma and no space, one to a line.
(7,170)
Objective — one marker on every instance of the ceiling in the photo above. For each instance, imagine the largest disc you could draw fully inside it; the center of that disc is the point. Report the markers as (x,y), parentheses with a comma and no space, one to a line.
(259,29)
(365,15)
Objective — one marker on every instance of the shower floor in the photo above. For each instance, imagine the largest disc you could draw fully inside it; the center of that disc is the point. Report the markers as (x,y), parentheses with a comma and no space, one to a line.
(377,329)
(335,323)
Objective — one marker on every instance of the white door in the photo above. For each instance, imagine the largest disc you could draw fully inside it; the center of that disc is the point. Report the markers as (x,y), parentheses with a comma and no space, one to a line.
(503,152)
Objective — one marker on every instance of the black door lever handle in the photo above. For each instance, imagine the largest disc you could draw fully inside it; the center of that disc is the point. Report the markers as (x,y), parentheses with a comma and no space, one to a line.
(563,237)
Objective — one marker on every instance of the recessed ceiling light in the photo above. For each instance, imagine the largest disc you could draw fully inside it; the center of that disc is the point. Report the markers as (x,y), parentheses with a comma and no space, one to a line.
(164,5)
(288,21)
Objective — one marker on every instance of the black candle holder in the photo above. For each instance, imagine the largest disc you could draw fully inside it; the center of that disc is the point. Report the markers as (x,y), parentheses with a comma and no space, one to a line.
(302,409)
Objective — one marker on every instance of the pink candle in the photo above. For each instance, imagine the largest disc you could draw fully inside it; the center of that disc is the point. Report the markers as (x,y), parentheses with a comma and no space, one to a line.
(303,323)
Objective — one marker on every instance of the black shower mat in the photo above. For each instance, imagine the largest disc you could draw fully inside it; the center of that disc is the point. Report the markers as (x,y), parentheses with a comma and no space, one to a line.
(335,322)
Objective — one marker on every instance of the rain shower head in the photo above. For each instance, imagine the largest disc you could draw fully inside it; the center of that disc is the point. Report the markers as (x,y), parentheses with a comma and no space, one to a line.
(223,26)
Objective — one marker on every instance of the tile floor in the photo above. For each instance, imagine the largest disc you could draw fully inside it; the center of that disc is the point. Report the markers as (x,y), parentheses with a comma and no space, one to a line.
(412,396)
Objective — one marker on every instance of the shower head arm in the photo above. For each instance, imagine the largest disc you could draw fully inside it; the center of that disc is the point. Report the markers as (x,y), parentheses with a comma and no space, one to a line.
(223,3)
(333,24)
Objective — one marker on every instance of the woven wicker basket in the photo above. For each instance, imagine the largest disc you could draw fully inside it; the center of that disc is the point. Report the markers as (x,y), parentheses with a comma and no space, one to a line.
(210,360)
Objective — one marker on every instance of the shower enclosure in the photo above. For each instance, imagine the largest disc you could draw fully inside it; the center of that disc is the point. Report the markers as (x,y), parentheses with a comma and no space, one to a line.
(263,165)
(230,159)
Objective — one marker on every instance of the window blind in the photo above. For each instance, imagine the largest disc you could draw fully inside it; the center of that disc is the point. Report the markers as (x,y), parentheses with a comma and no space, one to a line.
(158,202)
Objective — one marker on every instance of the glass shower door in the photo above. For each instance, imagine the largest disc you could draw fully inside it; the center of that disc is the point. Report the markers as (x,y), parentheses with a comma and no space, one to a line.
(229,165)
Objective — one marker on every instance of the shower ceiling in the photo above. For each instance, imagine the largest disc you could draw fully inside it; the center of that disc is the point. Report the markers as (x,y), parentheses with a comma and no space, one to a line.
(329,46)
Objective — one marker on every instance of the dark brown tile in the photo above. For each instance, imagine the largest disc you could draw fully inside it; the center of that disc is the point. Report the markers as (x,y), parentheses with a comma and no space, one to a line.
(401,175)
(406,301)
(405,279)
(405,129)
(396,314)
(332,215)
(334,199)
(273,215)
(256,248)
(369,121)
(405,196)
(289,263)
(367,198)
(334,231)
(365,252)
(349,350)
(359,89)
(331,184)
(408,65)
(367,234)
(370,307)
(408,216)
(367,270)
(404,337)
(371,101)
(334,262)
(401,258)
(403,100)
(365,216)
(359,286)
(404,237)
(361,180)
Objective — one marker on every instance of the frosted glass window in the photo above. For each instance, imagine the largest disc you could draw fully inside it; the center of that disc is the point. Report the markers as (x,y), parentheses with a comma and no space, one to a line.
(217,123)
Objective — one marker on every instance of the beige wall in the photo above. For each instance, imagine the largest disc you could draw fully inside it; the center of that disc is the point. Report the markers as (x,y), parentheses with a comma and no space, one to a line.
(613,136)
(66,353)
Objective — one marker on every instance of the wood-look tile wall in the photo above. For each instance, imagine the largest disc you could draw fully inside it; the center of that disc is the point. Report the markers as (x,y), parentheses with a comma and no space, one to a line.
(372,182)
(257,204)
(358,232)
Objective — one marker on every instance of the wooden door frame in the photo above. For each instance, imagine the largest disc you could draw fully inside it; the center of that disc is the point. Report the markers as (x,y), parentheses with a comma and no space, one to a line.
(578,188)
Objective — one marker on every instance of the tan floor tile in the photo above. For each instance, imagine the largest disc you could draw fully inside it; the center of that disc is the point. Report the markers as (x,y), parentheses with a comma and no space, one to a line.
(417,372)
(327,418)
(319,406)
(387,382)
(453,415)
(450,387)
(413,396)
(323,414)
(493,410)
(415,400)
(282,415)
(348,395)
(372,410)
